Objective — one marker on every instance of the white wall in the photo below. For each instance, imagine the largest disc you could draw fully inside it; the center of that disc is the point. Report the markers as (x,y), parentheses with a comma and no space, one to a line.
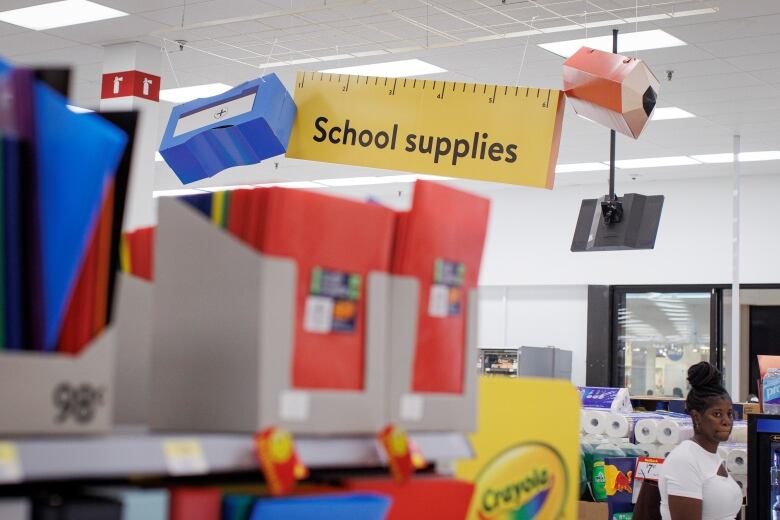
(536,316)
(530,236)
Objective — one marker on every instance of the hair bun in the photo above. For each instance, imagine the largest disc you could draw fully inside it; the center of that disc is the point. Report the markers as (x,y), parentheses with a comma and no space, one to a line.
(703,375)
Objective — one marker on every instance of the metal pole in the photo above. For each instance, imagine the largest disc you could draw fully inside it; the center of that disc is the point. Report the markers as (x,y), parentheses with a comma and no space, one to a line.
(612,133)
(736,314)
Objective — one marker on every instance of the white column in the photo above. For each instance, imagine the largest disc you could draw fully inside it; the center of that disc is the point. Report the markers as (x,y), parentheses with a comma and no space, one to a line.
(131,81)
(736,347)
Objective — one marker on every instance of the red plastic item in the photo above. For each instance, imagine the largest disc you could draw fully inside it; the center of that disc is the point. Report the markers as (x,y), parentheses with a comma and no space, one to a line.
(335,234)
(421,498)
(448,225)
(195,504)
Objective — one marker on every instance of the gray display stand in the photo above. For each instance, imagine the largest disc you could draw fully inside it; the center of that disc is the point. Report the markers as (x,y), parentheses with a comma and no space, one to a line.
(223,339)
(119,455)
(427,411)
(133,323)
(50,393)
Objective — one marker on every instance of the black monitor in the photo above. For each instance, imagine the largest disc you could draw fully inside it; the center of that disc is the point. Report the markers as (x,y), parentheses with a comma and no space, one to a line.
(636,230)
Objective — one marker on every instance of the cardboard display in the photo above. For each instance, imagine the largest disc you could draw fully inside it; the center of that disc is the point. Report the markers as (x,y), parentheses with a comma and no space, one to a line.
(245,125)
(422,411)
(133,324)
(43,393)
(349,240)
(439,242)
(223,338)
(616,91)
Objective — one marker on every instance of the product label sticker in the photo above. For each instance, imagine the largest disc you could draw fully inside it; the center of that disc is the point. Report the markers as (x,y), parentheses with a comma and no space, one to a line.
(294,405)
(446,295)
(10,468)
(648,468)
(332,305)
(411,407)
(318,317)
(185,457)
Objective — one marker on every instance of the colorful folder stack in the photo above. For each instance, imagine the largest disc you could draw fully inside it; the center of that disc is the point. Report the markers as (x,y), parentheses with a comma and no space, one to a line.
(64,179)
(439,241)
(336,243)
(136,253)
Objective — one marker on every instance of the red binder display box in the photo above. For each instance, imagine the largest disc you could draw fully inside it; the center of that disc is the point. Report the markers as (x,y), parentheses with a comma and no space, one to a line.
(437,257)
(422,498)
(280,322)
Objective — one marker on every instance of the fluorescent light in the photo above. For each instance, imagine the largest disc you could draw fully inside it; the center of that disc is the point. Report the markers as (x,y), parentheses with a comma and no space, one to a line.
(656,162)
(79,110)
(426,177)
(721,158)
(365,181)
(627,42)
(291,184)
(184,94)
(759,156)
(581,167)
(390,69)
(175,193)
(715,158)
(664,113)
(59,14)
(213,189)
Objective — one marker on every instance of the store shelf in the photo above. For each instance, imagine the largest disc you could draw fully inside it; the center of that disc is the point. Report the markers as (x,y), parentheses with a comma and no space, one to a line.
(125,455)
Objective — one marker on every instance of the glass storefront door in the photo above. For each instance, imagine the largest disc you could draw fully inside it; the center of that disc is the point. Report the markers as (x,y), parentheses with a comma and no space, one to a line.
(660,335)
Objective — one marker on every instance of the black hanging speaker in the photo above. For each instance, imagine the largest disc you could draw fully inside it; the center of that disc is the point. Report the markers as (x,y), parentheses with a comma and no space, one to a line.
(636,229)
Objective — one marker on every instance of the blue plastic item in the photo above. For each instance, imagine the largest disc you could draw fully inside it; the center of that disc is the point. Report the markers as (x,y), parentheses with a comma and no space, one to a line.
(352,506)
(243,126)
(77,155)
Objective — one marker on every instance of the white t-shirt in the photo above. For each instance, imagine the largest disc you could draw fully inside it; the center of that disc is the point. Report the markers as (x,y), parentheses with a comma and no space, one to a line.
(691,471)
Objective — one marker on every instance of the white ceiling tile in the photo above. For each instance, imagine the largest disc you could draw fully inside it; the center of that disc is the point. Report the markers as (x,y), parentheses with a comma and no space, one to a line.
(29,42)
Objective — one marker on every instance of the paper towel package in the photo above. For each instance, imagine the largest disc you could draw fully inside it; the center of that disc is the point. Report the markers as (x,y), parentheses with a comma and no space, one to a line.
(616,91)
(674,431)
(610,399)
(245,125)
(224,338)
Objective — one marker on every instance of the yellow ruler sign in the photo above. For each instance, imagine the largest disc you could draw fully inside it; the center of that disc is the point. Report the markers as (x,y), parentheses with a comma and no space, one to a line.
(467,130)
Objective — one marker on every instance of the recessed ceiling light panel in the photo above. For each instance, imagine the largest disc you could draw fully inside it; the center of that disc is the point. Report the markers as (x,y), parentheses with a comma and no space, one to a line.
(627,42)
(184,94)
(390,69)
(59,14)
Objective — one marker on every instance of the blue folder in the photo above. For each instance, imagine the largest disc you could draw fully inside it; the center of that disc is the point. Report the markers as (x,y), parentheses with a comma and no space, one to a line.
(243,126)
(76,156)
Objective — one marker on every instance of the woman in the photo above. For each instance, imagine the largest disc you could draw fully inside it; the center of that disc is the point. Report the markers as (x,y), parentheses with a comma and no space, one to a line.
(694,484)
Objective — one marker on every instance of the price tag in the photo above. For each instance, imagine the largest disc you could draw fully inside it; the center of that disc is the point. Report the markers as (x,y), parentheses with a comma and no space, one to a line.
(10,468)
(402,454)
(279,461)
(185,457)
(648,468)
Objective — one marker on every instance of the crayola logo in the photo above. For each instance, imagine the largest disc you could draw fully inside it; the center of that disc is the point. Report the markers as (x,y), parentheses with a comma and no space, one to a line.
(525,482)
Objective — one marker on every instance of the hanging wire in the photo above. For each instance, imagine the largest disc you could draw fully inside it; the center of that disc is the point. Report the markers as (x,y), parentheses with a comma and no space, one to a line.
(164,48)
(525,49)
(268,59)
(636,22)
(586,20)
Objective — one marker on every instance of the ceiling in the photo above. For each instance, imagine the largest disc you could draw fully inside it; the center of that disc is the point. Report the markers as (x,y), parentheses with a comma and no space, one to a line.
(728,74)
